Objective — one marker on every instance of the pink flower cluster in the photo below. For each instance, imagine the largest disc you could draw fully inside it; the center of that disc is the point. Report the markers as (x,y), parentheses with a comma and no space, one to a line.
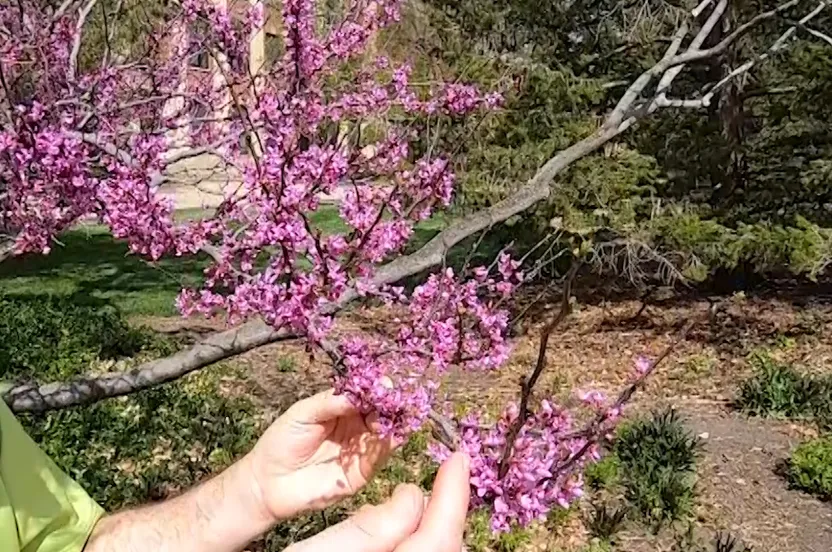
(547,458)
(44,187)
(105,146)
(444,324)
(536,479)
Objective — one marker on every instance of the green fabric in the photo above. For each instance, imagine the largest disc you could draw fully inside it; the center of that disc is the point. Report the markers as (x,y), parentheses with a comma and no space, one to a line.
(41,508)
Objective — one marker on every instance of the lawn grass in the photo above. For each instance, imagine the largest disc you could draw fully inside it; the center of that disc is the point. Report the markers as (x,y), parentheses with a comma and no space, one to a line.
(89,263)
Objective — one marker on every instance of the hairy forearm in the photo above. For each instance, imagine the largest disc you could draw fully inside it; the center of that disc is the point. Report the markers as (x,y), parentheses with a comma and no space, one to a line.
(221,515)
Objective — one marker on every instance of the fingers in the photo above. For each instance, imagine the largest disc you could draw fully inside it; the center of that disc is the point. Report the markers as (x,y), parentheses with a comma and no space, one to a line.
(374,452)
(373,529)
(321,408)
(443,523)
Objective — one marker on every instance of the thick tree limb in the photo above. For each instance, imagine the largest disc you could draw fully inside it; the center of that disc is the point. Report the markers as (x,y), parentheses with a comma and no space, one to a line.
(31,398)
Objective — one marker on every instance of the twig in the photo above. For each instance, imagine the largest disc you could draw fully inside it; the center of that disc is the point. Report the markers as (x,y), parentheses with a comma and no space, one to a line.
(592,431)
(527,385)
(444,430)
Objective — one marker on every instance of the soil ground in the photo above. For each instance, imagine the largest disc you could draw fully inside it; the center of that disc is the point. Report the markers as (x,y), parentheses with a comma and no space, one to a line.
(740,489)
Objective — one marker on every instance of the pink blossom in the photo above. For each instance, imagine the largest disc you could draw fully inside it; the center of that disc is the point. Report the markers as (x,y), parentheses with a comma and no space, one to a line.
(642,366)
(99,141)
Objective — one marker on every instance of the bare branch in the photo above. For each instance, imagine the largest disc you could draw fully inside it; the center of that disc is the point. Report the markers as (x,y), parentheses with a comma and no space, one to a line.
(62,9)
(778,45)
(697,11)
(703,34)
(83,13)
(815,33)
(739,32)
(110,31)
(635,90)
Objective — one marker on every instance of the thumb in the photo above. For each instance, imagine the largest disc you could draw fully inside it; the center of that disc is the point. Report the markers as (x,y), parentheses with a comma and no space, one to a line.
(374,528)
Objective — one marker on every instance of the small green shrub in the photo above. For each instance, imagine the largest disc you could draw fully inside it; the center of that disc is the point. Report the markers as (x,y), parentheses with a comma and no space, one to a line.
(658,459)
(597,546)
(660,440)
(286,365)
(776,390)
(810,467)
(51,338)
(605,521)
(726,542)
(723,542)
(779,390)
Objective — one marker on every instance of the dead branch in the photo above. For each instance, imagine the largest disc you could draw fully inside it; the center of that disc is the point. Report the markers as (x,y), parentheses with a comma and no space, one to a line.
(629,258)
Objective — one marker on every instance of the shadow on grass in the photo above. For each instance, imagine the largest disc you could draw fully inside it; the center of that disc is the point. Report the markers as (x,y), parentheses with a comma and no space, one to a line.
(90,264)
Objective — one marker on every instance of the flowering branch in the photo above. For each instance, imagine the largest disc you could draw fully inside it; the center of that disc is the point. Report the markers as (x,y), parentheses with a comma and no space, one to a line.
(596,428)
(527,384)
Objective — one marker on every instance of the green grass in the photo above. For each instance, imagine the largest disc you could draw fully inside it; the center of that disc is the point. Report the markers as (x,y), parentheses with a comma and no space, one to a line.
(89,263)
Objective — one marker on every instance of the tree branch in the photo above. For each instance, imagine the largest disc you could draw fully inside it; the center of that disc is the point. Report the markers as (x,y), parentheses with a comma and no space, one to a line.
(76,41)
(527,384)
(32,398)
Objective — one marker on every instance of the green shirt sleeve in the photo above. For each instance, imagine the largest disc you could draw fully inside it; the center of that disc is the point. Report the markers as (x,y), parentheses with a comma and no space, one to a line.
(41,508)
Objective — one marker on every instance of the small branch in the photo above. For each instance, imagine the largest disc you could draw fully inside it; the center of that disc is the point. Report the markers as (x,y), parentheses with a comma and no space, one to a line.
(76,41)
(697,42)
(527,385)
(814,32)
(778,45)
(7,107)
(444,430)
(739,32)
(62,9)
(110,31)
(697,11)
(596,427)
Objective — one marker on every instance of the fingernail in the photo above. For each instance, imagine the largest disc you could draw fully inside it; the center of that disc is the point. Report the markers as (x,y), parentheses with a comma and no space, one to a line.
(466,461)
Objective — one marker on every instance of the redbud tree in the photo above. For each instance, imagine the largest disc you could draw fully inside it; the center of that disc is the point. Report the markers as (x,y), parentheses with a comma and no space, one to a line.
(96,139)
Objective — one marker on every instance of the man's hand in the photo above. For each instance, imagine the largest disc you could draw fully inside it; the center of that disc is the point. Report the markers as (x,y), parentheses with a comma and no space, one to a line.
(405,523)
(319,451)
